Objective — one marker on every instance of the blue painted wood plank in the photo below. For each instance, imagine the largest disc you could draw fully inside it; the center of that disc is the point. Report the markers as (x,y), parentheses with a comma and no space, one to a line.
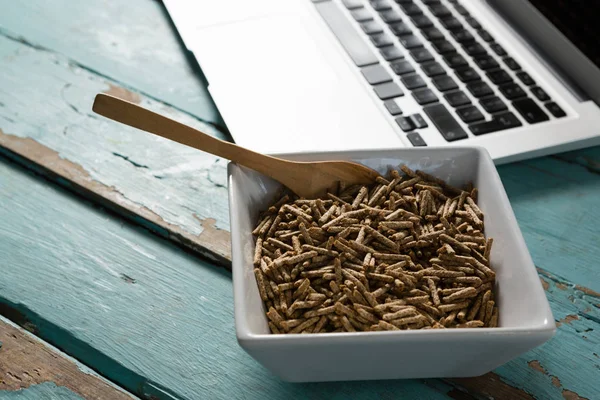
(46,390)
(128,41)
(26,361)
(139,310)
(154,319)
(173,186)
(556,205)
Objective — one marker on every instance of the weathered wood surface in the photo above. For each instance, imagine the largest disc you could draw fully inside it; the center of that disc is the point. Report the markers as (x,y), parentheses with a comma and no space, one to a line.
(177,191)
(131,42)
(30,367)
(155,319)
(164,326)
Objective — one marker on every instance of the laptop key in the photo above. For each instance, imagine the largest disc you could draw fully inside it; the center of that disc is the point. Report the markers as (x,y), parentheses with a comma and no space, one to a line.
(461,10)
(469,114)
(498,49)
(421,55)
(493,104)
(390,16)
(415,139)
(421,21)
(555,109)
(452,24)
(455,60)
(440,11)
(375,74)
(424,96)
(371,27)
(360,14)
(352,4)
(479,89)
(433,34)
(400,29)
(511,63)
(473,22)
(433,69)
(443,47)
(418,121)
(402,67)
(381,40)
(393,107)
(486,62)
(380,5)
(512,91)
(411,9)
(444,83)
(445,122)
(405,124)
(463,36)
(499,122)
(474,49)
(499,76)
(457,98)
(413,81)
(540,93)
(388,90)
(467,75)
(530,110)
(525,78)
(391,53)
(358,50)
(485,35)
(410,41)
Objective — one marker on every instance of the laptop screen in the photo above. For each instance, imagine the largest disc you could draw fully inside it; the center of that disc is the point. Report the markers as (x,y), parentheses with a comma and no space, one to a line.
(577,20)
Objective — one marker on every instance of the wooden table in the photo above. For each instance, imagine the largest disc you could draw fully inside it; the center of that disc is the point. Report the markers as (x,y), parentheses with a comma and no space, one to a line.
(114,245)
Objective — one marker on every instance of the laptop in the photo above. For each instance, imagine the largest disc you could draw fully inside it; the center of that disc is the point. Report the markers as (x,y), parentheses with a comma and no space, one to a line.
(520,77)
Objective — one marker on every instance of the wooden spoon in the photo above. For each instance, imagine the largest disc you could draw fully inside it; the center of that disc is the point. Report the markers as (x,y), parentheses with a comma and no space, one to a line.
(306,179)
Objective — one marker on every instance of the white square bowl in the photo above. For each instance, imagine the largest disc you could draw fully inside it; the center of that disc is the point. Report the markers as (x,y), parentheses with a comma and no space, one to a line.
(525,319)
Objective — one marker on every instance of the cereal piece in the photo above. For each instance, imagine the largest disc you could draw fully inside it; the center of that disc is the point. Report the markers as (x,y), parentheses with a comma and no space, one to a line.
(274,226)
(484,302)
(305,234)
(386,326)
(275,317)
(258,251)
(260,280)
(489,309)
(405,312)
(434,292)
(346,324)
(461,294)
(455,243)
(494,318)
(307,323)
(488,248)
(471,324)
(453,307)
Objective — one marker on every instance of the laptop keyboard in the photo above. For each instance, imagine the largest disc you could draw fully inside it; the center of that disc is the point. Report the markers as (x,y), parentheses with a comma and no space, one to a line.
(444,26)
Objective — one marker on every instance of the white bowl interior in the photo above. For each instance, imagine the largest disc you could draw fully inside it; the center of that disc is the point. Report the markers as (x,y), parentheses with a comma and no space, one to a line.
(520,297)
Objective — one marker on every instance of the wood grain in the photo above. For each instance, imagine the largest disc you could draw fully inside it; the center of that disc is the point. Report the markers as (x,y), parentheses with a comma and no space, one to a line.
(148,316)
(165,186)
(131,42)
(27,362)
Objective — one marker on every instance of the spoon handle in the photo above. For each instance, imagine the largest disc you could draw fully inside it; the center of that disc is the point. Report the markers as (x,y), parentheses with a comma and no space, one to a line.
(141,118)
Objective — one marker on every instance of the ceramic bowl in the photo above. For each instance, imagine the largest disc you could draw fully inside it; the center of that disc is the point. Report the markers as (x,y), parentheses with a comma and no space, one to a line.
(525,319)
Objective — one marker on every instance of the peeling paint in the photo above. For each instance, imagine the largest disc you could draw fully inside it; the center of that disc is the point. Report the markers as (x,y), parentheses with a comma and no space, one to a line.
(535,364)
(569,395)
(556,382)
(212,242)
(588,291)
(545,284)
(567,320)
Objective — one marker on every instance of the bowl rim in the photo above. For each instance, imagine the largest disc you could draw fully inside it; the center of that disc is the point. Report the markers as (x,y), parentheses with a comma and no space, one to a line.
(243,332)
